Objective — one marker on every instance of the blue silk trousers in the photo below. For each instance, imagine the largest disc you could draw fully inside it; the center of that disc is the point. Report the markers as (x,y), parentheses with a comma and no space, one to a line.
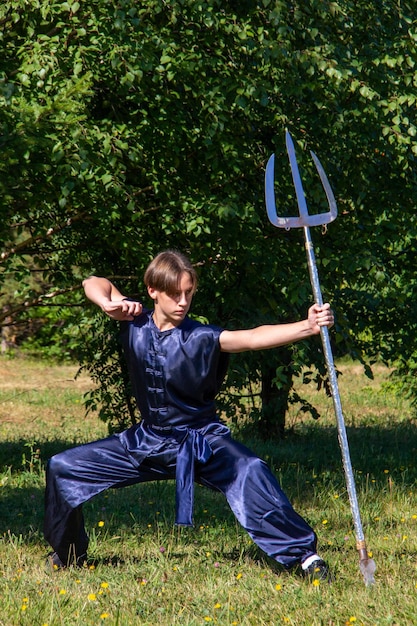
(252,491)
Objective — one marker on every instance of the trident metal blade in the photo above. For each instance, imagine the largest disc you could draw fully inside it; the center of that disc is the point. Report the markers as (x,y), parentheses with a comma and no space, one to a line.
(304,219)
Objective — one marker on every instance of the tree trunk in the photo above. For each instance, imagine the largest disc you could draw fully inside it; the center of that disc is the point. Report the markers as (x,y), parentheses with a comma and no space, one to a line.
(274,398)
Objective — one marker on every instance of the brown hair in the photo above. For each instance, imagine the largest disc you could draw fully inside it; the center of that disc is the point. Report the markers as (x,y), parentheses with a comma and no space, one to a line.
(164,272)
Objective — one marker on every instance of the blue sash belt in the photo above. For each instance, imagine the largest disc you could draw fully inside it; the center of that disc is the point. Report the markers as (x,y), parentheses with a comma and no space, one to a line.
(192,446)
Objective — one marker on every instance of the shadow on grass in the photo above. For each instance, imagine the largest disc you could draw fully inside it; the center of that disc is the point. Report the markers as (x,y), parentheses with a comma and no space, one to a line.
(377,454)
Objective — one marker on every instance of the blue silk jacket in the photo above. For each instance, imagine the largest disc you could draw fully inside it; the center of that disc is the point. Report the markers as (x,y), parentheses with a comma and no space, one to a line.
(175,376)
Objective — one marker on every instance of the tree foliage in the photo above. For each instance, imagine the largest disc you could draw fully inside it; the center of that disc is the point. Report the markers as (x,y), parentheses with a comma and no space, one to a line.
(128,127)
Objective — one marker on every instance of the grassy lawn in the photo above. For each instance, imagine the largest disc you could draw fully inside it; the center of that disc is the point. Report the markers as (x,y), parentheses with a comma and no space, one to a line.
(143,570)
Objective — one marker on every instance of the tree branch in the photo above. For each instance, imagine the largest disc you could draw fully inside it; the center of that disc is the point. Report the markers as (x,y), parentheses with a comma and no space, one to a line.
(38,301)
(24,245)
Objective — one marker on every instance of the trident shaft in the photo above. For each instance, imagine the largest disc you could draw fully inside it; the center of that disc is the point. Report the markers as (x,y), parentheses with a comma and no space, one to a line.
(304,220)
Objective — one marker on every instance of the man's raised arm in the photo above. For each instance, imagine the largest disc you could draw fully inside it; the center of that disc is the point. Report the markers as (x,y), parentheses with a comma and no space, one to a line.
(105,295)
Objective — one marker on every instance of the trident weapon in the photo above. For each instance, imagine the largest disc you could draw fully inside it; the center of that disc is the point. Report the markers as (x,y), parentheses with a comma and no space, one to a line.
(366,564)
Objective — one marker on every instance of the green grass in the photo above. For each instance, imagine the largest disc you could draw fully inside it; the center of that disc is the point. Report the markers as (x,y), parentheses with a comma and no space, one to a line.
(143,570)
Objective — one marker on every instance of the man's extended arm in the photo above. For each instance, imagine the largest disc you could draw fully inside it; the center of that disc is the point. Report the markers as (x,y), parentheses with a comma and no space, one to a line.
(275,335)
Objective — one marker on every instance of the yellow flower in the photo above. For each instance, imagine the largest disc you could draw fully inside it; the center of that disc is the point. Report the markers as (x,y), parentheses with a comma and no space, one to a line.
(217,605)
(208,619)
(278,587)
(92,597)
(101,524)
(352,619)
(324,521)
(104,616)
(316,582)
(62,592)
(239,576)
(104,585)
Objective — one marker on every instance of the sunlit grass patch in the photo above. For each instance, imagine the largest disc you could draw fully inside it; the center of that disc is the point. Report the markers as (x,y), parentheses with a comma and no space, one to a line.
(143,570)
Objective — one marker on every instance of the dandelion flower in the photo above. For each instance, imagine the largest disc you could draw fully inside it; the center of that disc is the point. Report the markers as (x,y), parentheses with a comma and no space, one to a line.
(217,605)
(62,592)
(92,597)
(101,524)
(278,587)
(104,585)
(104,616)
(239,576)
(316,582)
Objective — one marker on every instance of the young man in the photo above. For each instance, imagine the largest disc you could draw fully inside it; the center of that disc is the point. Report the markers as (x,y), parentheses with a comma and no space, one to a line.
(176,367)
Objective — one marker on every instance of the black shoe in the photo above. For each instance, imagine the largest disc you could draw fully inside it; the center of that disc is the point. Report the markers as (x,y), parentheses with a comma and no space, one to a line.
(318,570)
(54,563)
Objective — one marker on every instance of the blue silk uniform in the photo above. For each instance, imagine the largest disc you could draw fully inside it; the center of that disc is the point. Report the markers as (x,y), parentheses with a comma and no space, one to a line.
(175,375)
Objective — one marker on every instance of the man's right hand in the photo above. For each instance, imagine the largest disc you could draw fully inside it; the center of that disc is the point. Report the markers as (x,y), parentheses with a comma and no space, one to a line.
(122,310)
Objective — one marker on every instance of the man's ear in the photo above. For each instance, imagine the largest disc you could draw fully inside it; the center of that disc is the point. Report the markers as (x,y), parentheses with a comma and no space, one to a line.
(152,293)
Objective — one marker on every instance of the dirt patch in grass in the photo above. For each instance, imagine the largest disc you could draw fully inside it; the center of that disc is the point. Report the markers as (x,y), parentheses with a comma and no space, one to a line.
(19,374)
(34,391)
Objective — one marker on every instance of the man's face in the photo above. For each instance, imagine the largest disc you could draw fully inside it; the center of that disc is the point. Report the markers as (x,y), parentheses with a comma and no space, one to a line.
(170,309)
